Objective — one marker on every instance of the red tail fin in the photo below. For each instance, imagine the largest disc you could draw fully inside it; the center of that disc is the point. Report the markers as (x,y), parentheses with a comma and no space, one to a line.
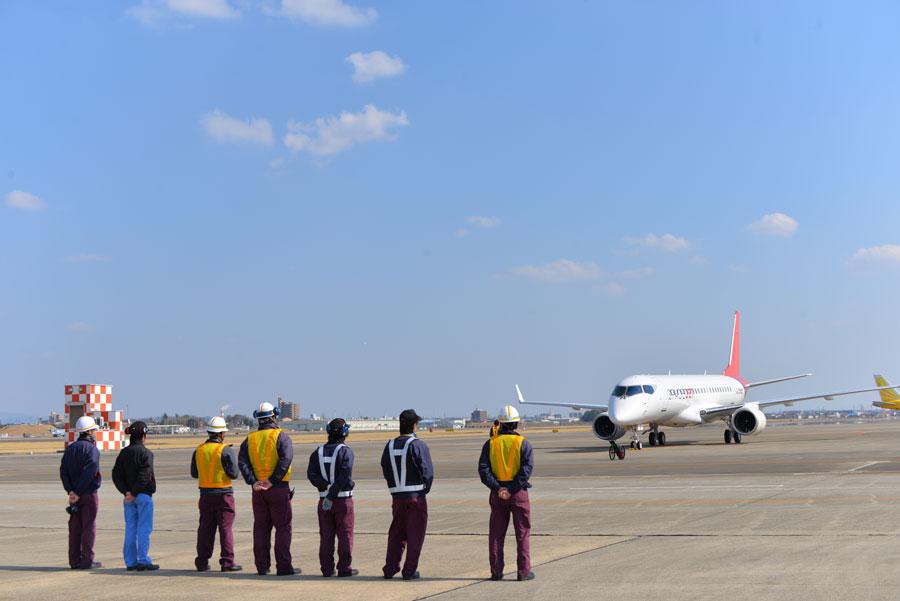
(734,362)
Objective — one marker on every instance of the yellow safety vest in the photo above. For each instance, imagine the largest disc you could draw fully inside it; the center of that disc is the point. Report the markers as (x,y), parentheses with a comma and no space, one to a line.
(494,430)
(263,451)
(506,456)
(209,466)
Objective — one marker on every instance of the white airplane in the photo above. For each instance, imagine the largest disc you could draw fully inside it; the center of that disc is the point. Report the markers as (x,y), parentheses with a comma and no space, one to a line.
(679,401)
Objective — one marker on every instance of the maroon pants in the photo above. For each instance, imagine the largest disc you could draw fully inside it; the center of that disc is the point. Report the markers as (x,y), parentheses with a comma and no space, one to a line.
(520,507)
(407,531)
(216,513)
(337,521)
(82,530)
(272,508)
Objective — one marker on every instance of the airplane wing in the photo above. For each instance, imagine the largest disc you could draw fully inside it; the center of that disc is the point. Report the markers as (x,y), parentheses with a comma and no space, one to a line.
(828,396)
(764,382)
(575,406)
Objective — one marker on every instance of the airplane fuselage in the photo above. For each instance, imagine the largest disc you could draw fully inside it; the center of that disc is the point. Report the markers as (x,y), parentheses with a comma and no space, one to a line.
(669,400)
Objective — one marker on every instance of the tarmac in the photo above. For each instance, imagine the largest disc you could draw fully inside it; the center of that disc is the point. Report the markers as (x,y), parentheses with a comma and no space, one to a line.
(801,512)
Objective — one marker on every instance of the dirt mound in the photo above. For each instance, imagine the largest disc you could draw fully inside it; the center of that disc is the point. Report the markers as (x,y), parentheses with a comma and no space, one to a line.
(35,431)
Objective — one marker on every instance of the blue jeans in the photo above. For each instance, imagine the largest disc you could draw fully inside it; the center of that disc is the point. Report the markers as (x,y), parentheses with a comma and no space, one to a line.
(138,526)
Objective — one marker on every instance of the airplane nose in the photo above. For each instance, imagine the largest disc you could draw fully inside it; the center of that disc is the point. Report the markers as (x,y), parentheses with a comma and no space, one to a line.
(625,412)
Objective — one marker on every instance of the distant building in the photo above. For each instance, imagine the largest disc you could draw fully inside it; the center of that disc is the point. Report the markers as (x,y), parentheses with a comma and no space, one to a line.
(381,423)
(288,410)
(479,415)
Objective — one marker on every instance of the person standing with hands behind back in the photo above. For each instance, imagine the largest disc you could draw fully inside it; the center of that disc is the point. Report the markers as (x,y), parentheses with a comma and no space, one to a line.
(265,462)
(330,470)
(79,471)
(133,476)
(505,467)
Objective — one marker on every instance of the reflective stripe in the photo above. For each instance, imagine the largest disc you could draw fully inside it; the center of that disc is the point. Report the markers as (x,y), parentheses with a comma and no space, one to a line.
(209,466)
(506,456)
(262,446)
(400,482)
(322,461)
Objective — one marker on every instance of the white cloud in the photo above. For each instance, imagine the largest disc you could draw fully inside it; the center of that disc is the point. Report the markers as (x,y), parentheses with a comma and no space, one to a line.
(888,253)
(613,289)
(85,258)
(149,12)
(484,222)
(372,65)
(325,12)
(223,128)
(774,224)
(666,243)
(330,135)
(25,201)
(462,232)
(80,326)
(738,268)
(563,270)
(698,260)
(636,274)
(277,163)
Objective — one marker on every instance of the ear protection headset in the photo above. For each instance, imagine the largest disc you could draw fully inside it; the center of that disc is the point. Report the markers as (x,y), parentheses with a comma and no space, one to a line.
(132,431)
(275,412)
(344,430)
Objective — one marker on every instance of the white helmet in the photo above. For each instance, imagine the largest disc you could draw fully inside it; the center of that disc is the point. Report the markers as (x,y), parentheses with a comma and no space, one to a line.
(216,425)
(508,415)
(86,423)
(266,410)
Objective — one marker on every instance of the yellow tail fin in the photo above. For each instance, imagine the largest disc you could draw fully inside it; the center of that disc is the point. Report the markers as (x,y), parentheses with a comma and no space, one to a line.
(890,398)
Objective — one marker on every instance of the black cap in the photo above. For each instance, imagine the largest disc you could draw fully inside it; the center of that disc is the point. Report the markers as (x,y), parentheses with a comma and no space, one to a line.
(410,417)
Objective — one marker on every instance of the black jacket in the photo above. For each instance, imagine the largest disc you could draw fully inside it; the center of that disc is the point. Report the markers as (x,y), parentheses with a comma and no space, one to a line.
(133,471)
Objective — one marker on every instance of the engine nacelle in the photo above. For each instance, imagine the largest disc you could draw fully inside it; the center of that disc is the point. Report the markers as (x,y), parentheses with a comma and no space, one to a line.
(748,421)
(605,428)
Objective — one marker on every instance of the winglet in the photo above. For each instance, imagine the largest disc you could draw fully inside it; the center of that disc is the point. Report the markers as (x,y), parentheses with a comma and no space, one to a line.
(519,392)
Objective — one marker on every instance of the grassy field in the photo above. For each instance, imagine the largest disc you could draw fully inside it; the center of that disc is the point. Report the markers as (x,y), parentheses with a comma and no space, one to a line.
(53,445)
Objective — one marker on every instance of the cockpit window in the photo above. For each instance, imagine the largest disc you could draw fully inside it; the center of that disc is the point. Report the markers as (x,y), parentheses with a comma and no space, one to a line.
(649,389)
(633,390)
(618,391)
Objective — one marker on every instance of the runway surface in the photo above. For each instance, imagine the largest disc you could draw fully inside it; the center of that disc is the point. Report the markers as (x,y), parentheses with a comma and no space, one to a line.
(799,512)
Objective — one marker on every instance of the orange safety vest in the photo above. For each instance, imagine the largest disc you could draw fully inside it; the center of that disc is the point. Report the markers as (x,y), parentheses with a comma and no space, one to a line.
(263,452)
(209,466)
(494,430)
(506,456)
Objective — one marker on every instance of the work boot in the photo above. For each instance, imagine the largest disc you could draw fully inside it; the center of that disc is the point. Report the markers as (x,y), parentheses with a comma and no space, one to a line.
(497,576)
(146,567)
(348,573)
(288,572)
(234,568)
(414,576)
(528,576)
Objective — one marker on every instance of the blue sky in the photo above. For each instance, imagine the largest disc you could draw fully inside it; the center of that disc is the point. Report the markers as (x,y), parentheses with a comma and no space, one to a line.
(367,206)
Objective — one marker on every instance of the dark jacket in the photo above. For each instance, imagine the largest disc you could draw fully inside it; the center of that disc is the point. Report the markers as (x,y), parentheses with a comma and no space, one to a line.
(79,469)
(419,469)
(133,471)
(342,466)
(229,466)
(520,480)
(285,449)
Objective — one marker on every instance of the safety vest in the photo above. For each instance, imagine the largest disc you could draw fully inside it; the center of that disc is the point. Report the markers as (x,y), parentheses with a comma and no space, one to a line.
(494,430)
(261,446)
(400,479)
(209,466)
(323,460)
(506,456)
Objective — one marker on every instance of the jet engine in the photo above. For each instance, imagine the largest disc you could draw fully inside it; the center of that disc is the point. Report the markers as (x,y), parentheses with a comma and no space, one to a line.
(748,421)
(605,428)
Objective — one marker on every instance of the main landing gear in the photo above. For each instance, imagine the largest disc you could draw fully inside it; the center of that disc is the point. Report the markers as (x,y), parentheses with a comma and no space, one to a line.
(732,435)
(656,437)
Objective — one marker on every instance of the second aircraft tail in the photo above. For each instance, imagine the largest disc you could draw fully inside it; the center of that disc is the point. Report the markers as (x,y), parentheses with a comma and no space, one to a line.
(890,399)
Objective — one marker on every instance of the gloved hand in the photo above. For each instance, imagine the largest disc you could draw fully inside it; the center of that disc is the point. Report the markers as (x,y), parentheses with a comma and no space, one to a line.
(326,504)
